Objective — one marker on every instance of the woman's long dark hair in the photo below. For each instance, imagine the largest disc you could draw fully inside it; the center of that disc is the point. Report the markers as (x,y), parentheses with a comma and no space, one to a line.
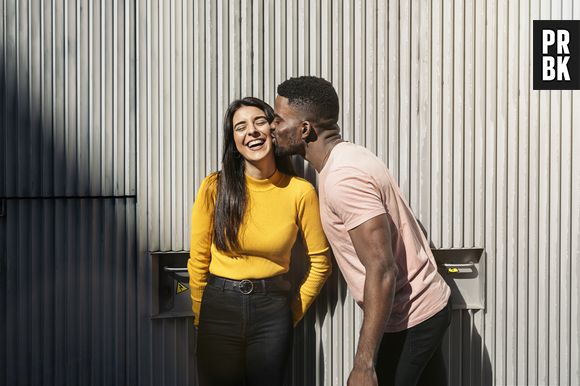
(232,195)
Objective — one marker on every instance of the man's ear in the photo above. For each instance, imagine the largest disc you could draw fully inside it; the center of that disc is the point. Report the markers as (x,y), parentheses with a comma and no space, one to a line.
(305,129)
(307,132)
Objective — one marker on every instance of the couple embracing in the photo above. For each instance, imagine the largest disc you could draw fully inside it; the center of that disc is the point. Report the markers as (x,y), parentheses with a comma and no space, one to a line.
(245,221)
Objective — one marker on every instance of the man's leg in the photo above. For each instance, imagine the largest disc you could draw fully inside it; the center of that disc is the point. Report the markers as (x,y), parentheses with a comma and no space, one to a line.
(435,372)
(390,350)
(404,356)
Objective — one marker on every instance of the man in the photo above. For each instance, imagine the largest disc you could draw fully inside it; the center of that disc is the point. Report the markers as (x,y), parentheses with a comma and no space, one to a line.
(377,242)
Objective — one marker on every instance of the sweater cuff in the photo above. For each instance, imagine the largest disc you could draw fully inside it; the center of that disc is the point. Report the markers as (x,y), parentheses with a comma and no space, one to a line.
(196,306)
(297,310)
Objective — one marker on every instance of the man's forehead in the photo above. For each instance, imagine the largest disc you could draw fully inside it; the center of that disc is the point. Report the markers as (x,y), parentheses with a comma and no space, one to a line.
(281,101)
(283,106)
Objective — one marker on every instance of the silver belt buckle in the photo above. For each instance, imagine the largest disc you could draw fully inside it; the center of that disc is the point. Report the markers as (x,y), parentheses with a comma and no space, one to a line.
(246,287)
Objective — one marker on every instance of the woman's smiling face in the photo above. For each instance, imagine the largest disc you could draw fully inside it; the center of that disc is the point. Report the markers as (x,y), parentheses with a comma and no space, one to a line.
(252,134)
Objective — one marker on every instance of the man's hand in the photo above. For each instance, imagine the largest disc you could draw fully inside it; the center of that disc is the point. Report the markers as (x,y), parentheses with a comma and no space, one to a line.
(362,376)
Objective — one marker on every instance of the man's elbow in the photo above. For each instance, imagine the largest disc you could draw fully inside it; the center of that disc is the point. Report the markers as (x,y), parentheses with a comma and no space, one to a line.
(384,271)
(389,273)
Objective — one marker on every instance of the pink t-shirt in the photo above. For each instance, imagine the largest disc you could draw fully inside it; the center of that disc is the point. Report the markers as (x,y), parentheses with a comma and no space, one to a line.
(356,186)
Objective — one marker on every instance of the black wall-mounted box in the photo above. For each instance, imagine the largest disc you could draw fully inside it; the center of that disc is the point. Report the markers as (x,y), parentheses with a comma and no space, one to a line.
(171,295)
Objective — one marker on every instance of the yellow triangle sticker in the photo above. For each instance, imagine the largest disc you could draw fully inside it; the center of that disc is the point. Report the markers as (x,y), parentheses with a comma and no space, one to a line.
(181,288)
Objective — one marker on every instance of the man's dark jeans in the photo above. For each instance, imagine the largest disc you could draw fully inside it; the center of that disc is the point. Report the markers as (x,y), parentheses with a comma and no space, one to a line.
(413,356)
(243,339)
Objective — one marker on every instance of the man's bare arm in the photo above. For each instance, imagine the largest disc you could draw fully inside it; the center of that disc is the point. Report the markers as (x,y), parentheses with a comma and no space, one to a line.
(372,242)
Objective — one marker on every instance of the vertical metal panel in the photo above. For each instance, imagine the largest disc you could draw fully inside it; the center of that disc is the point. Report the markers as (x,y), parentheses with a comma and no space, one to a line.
(446,181)
(422,150)
(533,226)
(575,233)
(68,284)
(68,257)
(436,108)
(65,99)
(490,181)
(544,266)
(523,195)
(3,93)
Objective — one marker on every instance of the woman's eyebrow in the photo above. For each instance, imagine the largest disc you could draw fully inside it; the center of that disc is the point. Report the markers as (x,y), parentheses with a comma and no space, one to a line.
(243,121)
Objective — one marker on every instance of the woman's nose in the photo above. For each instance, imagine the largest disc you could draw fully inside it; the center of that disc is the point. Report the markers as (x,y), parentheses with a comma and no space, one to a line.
(253,130)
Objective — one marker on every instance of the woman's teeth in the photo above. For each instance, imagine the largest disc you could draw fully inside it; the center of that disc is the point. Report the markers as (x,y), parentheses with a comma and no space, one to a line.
(255,144)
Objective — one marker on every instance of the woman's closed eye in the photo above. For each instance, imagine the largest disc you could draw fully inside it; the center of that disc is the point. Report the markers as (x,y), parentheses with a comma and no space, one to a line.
(260,122)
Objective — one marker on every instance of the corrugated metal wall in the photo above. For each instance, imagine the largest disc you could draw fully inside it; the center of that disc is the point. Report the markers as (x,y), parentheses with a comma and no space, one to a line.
(441,91)
(68,250)
(68,99)
(110,119)
(68,286)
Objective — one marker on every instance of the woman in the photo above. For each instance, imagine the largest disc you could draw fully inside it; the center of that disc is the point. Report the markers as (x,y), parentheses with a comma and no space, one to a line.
(244,223)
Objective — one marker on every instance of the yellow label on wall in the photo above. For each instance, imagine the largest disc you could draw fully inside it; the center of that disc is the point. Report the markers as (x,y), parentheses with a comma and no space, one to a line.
(181,288)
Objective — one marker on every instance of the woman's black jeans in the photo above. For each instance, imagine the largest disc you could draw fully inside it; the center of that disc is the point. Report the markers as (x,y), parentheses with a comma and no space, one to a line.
(243,339)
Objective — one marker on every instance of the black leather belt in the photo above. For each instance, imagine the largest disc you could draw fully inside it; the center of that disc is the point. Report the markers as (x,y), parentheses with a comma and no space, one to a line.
(246,287)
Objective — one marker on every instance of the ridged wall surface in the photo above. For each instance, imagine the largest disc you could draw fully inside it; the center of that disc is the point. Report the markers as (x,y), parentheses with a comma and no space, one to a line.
(68,242)
(68,98)
(68,288)
(116,107)
(441,91)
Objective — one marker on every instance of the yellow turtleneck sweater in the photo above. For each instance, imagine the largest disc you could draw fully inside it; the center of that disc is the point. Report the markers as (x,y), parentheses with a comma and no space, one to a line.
(277,208)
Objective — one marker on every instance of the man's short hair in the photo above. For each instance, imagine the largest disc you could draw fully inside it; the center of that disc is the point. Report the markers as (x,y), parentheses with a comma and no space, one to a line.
(313,95)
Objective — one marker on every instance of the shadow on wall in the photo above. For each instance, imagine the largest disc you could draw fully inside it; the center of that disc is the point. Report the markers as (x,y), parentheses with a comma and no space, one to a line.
(68,255)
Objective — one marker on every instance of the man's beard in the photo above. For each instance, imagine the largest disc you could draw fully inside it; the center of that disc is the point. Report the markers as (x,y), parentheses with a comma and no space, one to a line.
(295,146)
(292,149)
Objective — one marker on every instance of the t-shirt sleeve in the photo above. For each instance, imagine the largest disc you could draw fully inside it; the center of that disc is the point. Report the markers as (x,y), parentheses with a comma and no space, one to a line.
(354,197)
